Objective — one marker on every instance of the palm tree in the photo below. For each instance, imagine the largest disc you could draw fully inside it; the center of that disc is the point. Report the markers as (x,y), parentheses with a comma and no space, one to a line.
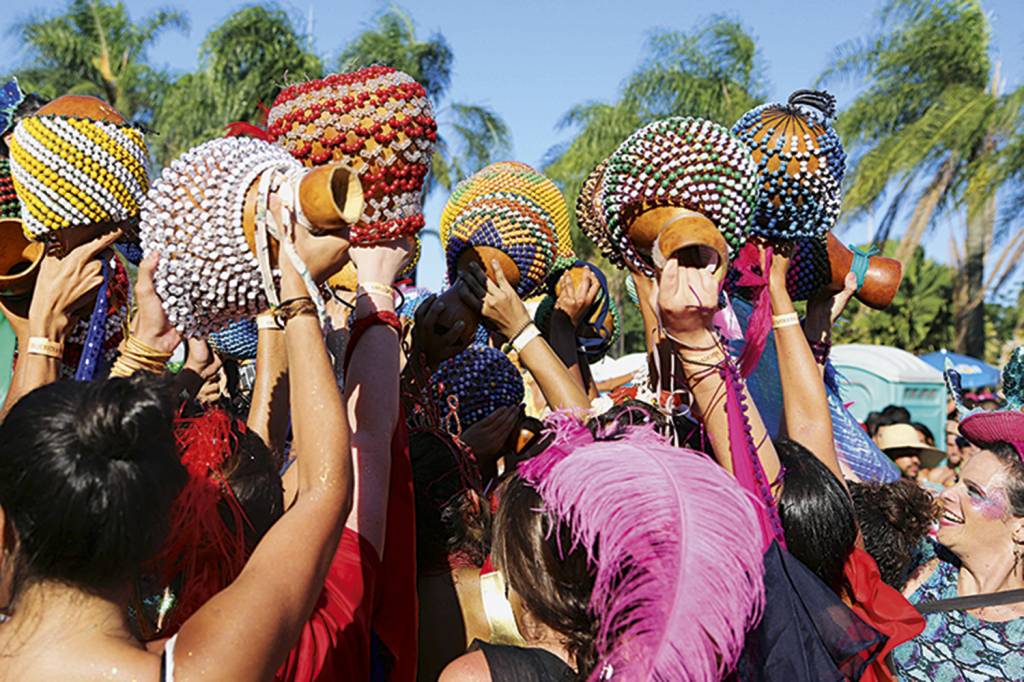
(931,116)
(470,136)
(714,72)
(93,47)
(242,64)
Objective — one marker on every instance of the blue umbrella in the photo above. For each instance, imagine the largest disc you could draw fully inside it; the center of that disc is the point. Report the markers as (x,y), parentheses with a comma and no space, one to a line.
(973,372)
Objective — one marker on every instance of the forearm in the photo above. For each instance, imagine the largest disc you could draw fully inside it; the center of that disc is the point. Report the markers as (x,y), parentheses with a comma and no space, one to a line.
(268,411)
(561,390)
(709,391)
(562,338)
(32,370)
(371,384)
(320,427)
(807,417)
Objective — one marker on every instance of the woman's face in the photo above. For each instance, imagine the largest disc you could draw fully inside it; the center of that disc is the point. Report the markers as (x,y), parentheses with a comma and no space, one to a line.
(975,513)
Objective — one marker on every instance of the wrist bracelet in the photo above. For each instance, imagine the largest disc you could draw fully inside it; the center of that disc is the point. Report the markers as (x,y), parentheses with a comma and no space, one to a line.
(136,355)
(519,331)
(375,288)
(40,345)
(785,320)
(524,337)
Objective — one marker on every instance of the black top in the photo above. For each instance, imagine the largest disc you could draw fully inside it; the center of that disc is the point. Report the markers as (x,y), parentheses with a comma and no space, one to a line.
(521,664)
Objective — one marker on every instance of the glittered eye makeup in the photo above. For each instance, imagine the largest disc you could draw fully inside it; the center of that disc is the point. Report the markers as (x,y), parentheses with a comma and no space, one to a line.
(991,505)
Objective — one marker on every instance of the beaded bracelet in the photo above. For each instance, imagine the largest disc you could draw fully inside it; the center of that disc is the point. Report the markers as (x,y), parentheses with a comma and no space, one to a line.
(40,345)
(513,337)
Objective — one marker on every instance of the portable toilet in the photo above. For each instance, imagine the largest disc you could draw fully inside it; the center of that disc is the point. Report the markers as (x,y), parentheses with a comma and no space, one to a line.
(874,377)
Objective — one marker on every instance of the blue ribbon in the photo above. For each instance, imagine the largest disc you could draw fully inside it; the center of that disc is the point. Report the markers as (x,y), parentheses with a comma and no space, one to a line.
(861,261)
(93,345)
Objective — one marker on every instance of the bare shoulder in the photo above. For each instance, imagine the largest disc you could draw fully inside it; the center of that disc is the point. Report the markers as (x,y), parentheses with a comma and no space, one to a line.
(471,667)
(920,576)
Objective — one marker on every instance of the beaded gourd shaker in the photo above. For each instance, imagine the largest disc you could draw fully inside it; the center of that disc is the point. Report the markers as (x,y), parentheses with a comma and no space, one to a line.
(73,171)
(519,178)
(590,218)
(685,162)
(513,224)
(208,276)
(236,341)
(478,381)
(801,163)
(379,122)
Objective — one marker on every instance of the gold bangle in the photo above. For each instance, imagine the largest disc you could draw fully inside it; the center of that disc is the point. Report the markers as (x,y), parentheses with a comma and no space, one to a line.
(40,345)
(375,288)
(785,320)
(138,356)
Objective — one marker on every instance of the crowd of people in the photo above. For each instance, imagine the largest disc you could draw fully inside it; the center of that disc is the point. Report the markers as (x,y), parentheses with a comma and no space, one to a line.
(239,444)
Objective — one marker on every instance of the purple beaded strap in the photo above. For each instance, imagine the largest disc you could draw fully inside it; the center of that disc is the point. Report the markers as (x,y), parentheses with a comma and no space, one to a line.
(745,463)
(93,346)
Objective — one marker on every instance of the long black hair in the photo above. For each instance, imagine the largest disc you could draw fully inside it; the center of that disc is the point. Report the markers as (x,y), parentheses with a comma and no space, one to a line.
(817,513)
(88,472)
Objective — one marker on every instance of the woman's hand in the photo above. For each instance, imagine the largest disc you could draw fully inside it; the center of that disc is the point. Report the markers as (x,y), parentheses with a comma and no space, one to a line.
(381,262)
(826,307)
(502,305)
(150,325)
(687,299)
(574,299)
(201,360)
(65,286)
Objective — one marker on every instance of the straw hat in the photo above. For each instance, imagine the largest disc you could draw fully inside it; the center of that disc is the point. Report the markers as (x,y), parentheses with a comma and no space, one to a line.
(903,440)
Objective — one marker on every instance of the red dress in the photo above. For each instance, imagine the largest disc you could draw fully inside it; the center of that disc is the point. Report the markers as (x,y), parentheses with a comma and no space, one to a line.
(363,595)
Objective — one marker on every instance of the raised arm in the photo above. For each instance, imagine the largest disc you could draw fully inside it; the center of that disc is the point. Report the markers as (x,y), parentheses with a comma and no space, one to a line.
(371,385)
(507,312)
(687,300)
(64,286)
(246,630)
(268,411)
(807,417)
(573,302)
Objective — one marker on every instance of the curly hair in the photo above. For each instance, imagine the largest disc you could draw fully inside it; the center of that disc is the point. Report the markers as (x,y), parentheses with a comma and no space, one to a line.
(894,518)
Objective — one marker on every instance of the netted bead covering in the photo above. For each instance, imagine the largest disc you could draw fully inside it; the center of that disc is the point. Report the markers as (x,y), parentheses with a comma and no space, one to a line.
(801,163)
(687,162)
(71,171)
(590,217)
(207,276)
(9,205)
(236,341)
(512,223)
(379,122)
(478,380)
(518,178)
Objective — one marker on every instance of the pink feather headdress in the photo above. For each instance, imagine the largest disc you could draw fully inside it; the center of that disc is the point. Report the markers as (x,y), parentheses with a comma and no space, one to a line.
(675,544)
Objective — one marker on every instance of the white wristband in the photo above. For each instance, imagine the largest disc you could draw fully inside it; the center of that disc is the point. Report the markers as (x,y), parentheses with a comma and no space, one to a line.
(525,337)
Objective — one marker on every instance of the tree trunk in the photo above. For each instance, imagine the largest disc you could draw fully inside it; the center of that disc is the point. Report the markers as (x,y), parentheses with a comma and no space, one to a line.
(924,210)
(970,299)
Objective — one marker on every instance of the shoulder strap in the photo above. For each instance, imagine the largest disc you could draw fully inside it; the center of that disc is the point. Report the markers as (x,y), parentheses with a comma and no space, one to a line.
(973,602)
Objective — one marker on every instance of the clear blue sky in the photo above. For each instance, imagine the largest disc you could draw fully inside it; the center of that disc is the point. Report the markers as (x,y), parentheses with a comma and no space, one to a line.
(531,60)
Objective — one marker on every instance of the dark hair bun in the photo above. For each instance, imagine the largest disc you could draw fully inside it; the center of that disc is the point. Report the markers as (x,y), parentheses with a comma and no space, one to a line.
(88,476)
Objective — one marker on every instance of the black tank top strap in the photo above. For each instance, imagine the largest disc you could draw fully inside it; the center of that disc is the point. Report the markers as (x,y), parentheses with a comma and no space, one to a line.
(523,664)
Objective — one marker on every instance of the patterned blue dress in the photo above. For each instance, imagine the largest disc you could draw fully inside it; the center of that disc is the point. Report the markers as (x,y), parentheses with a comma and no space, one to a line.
(957,646)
